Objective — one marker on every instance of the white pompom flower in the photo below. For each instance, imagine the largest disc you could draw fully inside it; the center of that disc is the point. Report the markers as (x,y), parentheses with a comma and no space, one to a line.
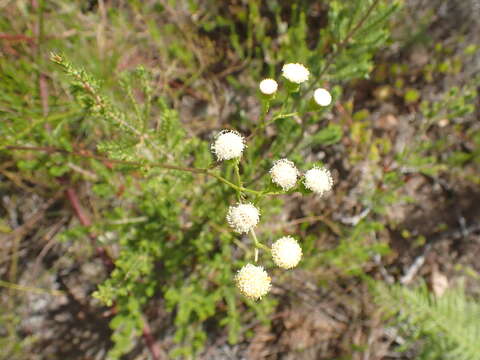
(319,180)
(268,86)
(284,173)
(286,252)
(253,281)
(296,73)
(243,217)
(322,97)
(228,145)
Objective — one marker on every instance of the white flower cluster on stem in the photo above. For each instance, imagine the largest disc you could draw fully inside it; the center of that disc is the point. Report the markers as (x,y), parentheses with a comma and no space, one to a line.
(319,180)
(296,73)
(228,145)
(284,174)
(286,252)
(243,217)
(253,281)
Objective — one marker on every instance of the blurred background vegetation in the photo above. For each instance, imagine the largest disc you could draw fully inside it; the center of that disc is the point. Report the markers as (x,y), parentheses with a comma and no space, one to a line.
(105,256)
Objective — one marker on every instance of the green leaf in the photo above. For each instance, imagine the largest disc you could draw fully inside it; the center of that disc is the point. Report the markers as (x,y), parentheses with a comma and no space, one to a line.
(330,135)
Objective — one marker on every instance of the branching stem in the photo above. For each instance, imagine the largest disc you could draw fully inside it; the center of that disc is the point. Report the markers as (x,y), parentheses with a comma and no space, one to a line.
(258,244)
(87,154)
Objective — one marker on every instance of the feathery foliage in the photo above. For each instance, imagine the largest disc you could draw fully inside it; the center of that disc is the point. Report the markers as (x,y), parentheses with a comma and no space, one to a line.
(444,327)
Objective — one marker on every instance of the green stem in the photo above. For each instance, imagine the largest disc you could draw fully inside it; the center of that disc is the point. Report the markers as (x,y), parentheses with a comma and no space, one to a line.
(232,185)
(239,179)
(88,155)
(257,243)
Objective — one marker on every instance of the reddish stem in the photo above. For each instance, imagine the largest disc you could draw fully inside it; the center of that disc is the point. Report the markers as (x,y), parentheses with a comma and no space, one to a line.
(150,341)
(77,208)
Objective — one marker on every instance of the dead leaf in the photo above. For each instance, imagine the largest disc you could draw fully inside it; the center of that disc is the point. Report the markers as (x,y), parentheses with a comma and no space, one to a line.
(439,283)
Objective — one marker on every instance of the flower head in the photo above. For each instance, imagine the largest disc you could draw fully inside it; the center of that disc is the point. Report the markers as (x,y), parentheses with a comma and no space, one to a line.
(253,281)
(322,97)
(243,217)
(268,86)
(319,180)
(228,145)
(286,252)
(296,73)
(284,173)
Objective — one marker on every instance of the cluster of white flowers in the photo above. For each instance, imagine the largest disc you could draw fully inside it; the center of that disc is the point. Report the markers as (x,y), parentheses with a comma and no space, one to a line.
(284,174)
(286,252)
(295,73)
(319,180)
(243,217)
(253,281)
(228,145)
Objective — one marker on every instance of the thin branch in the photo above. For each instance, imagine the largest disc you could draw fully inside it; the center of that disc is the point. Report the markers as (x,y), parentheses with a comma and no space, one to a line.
(152,345)
(30,289)
(257,243)
(86,154)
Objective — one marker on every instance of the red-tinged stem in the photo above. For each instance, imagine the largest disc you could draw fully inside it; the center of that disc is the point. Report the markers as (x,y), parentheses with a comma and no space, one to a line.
(77,208)
(151,343)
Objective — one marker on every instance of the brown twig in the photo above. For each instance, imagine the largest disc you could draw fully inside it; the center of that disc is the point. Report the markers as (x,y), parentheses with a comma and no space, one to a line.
(82,217)
(331,225)
(85,220)
(51,241)
(35,218)
(152,345)
(15,37)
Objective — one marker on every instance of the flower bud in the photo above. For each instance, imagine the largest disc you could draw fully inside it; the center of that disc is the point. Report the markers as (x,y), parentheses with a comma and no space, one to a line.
(322,97)
(268,86)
